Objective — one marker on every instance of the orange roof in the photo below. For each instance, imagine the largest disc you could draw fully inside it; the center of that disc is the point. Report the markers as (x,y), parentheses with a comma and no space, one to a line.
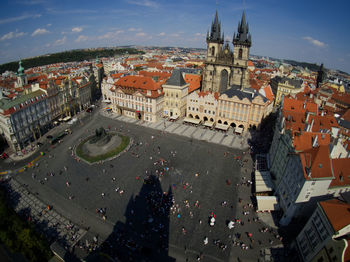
(250,63)
(346,115)
(305,140)
(138,82)
(337,212)
(194,81)
(161,75)
(268,93)
(341,172)
(294,121)
(292,104)
(117,75)
(316,160)
(322,122)
(202,93)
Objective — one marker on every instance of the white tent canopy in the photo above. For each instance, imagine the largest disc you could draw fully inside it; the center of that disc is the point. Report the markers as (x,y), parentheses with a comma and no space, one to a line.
(267,203)
(192,120)
(263,182)
(222,127)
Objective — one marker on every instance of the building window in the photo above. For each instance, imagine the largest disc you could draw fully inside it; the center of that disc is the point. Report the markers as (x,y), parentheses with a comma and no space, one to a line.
(240,53)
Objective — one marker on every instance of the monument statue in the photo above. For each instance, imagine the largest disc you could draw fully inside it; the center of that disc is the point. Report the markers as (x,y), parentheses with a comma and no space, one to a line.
(101,137)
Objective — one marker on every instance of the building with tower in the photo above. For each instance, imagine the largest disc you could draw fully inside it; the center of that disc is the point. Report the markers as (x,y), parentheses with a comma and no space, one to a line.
(175,95)
(21,76)
(225,67)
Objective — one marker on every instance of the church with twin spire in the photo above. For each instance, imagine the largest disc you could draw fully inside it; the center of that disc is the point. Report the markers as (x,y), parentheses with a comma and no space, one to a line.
(226,68)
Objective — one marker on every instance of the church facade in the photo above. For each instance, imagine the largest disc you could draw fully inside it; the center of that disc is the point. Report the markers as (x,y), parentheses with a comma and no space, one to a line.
(225,67)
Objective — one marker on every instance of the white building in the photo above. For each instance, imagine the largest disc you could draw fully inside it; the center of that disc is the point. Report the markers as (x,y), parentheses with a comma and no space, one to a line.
(138,97)
(24,119)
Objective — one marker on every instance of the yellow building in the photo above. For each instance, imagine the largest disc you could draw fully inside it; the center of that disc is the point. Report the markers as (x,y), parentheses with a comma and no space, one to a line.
(175,95)
(241,109)
(201,107)
(283,86)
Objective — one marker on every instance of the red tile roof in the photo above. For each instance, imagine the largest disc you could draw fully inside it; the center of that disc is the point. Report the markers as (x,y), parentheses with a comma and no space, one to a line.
(138,82)
(305,140)
(341,172)
(194,81)
(337,212)
(295,105)
(316,160)
(202,93)
(160,75)
(268,93)
(346,115)
(322,122)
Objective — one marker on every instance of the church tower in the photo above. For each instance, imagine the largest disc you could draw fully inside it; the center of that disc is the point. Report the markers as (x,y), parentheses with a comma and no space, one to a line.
(242,41)
(214,39)
(225,68)
(215,42)
(21,76)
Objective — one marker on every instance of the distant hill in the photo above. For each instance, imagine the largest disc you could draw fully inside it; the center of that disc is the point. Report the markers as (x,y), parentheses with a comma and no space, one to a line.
(313,67)
(68,56)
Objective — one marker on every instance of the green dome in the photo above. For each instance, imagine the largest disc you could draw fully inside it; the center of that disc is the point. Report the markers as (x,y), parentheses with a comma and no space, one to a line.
(20,69)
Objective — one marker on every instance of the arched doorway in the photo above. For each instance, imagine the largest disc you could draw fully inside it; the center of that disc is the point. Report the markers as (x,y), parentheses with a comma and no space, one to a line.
(220,122)
(205,118)
(211,120)
(139,116)
(233,125)
(225,123)
(241,126)
(197,117)
(223,80)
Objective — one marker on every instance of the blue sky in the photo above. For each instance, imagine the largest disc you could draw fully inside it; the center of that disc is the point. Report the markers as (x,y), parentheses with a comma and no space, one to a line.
(311,31)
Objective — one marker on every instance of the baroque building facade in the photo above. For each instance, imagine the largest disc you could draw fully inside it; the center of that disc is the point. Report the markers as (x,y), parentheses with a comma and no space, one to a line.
(225,67)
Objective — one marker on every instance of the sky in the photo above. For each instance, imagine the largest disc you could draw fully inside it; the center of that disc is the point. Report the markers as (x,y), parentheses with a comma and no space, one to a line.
(311,31)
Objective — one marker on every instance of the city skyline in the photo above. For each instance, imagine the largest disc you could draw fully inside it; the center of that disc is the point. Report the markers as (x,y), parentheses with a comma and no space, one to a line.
(288,30)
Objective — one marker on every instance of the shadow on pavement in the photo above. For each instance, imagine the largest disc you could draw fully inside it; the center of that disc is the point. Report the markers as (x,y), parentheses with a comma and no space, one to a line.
(145,234)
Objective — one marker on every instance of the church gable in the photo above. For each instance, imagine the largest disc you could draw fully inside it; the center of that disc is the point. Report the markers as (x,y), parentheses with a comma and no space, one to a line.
(225,67)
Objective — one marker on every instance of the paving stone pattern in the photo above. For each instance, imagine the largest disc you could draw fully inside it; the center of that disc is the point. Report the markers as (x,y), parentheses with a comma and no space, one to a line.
(54,226)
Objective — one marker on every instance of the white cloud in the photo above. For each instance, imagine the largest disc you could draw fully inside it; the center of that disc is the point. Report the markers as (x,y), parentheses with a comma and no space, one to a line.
(313,41)
(141,34)
(81,38)
(18,18)
(48,25)
(60,41)
(146,3)
(40,31)
(77,29)
(199,34)
(11,35)
(110,35)
(7,36)
(19,34)
(162,34)
(175,35)
(132,29)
